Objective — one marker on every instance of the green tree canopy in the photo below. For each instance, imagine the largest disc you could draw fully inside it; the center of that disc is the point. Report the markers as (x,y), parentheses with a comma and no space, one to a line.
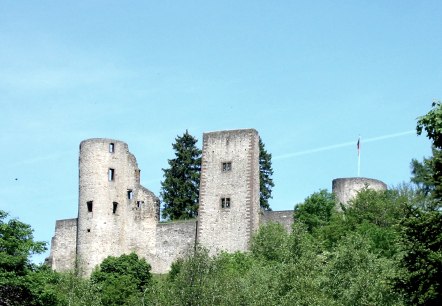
(270,242)
(316,210)
(422,261)
(180,188)
(428,174)
(265,176)
(421,230)
(122,280)
(432,124)
(16,245)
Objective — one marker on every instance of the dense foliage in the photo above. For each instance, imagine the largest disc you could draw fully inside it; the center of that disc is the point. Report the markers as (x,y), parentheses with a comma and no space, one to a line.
(316,210)
(16,272)
(421,230)
(328,258)
(122,280)
(180,188)
(428,173)
(348,258)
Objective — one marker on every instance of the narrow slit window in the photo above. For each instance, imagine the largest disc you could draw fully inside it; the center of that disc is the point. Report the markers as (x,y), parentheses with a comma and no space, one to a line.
(130,194)
(227,166)
(225,202)
(139,204)
(111,147)
(111,174)
(89,206)
(114,207)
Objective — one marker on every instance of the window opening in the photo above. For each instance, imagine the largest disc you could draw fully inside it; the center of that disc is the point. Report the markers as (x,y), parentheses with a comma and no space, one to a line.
(114,207)
(111,174)
(225,202)
(130,194)
(227,166)
(88,230)
(111,147)
(140,203)
(89,206)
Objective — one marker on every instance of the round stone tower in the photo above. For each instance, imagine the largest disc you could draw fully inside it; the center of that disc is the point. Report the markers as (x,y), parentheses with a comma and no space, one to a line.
(346,189)
(108,177)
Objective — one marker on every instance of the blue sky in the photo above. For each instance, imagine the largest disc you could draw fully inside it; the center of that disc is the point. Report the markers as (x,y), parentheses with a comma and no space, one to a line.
(310,76)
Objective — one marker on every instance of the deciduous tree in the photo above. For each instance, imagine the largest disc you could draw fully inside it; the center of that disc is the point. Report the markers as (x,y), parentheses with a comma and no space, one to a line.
(316,210)
(122,279)
(429,172)
(422,229)
(16,245)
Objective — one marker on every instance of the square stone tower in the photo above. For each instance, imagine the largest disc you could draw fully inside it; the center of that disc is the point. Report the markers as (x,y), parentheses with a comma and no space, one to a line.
(229,190)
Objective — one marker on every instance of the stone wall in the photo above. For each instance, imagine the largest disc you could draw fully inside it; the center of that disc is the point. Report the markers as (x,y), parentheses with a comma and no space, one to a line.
(63,245)
(229,190)
(173,240)
(284,217)
(346,189)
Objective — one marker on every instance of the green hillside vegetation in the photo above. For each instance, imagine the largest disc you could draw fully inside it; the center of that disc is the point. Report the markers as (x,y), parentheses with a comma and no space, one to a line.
(384,249)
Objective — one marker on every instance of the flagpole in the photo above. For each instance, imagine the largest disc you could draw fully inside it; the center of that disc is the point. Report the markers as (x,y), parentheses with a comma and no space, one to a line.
(359,156)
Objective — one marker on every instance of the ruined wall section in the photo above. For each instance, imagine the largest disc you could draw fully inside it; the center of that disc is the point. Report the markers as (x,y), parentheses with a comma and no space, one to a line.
(283,217)
(115,214)
(174,240)
(230,172)
(346,189)
(63,245)
(140,230)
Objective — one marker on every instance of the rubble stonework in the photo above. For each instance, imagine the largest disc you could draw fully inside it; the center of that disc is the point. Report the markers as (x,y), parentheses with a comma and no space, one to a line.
(229,173)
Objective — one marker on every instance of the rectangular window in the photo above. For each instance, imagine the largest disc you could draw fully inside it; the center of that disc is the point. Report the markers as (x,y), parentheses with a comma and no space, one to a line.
(130,194)
(89,206)
(111,174)
(114,207)
(140,203)
(227,166)
(111,147)
(225,202)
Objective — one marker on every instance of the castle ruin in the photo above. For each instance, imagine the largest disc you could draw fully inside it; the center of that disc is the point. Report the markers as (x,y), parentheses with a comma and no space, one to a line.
(117,215)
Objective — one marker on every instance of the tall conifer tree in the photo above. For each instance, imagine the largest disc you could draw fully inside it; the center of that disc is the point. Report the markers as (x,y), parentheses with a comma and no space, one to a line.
(265,176)
(180,188)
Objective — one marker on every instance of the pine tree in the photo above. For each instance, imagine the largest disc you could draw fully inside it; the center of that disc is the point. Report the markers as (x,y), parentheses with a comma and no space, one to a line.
(180,188)
(265,176)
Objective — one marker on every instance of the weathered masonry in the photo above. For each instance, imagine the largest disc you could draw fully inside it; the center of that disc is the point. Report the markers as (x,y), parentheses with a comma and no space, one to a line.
(229,190)
(346,189)
(116,215)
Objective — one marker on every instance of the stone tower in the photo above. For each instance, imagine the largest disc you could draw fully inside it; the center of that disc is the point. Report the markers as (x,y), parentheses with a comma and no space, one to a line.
(229,190)
(112,204)
(345,189)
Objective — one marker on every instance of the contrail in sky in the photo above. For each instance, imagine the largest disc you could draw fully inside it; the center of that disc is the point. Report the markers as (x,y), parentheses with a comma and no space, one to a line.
(344,144)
